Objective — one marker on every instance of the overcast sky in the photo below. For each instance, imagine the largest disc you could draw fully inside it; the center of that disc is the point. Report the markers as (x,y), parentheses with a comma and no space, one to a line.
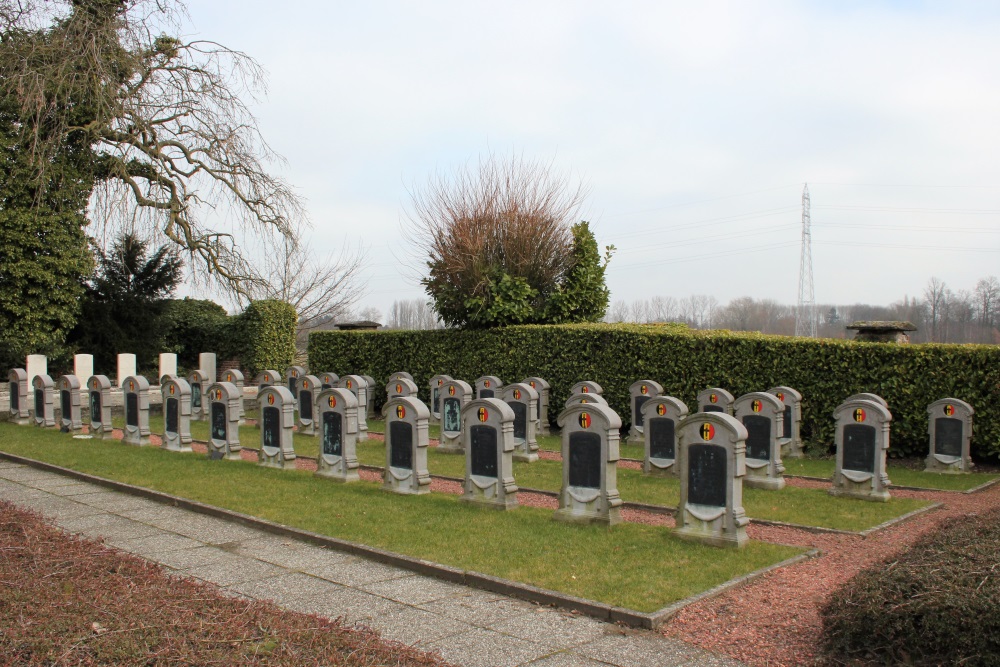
(693,124)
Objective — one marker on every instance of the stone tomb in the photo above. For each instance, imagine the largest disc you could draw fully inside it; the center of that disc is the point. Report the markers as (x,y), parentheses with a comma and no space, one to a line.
(862,439)
(950,430)
(70,417)
(136,390)
(292,375)
(358,387)
(83,367)
(715,399)
(176,393)
(791,438)
(487,386)
(308,388)
(763,416)
(488,436)
(661,415)
(235,377)
(19,411)
(36,364)
(99,388)
(589,493)
(338,413)
(455,394)
(711,459)
(523,401)
(328,380)
(543,388)
(402,388)
(434,394)
(126,368)
(44,412)
(208,364)
(199,401)
(222,404)
(276,406)
(267,379)
(406,446)
(586,399)
(586,387)
(640,392)
(370,395)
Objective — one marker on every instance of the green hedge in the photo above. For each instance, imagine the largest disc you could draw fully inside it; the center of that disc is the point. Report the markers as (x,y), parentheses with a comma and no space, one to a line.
(825,371)
(263,336)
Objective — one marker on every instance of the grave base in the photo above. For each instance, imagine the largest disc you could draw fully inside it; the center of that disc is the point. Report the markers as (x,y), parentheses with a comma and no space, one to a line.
(136,440)
(223,454)
(334,476)
(362,434)
(21,421)
(768,483)
(949,466)
(704,534)
(307,430)
(870,495)
(406,490)
(572,515)
(652,470)
(480,500)
(276,462)
(450,446)
(522,457)
(635,438)
(181,447)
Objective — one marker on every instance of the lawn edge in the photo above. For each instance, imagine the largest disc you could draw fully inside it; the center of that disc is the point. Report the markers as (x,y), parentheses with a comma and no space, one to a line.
(900,519)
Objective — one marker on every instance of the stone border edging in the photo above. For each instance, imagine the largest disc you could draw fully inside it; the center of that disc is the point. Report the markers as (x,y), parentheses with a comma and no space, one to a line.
(900,519)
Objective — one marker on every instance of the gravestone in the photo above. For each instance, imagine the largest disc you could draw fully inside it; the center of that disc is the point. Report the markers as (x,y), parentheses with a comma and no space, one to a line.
(868,397)
(544,389)
(99,401)
(44,408)
(715,399)
(176,393)
(337,412)
(267,379)
(222,407)
(401,375)
(711,458)
(523,401)
(36,364)
(126,368)
(639,393)
(208,364)
(434,394)
(791,438)
(328,380)
(586,387)
(276,407)
(488,437)
(585,399)
(370,391)
(950,430)
(862,438)
(763,417)
(168,364)
(406,446)
(70,417)
(20,412)
(292,375)
(401,388)
(83,367)
(455,395)
(308,388)
(589,494)
(136,391)
(488,386)
(199,401)
(358,387)
(661,415)
(235,377)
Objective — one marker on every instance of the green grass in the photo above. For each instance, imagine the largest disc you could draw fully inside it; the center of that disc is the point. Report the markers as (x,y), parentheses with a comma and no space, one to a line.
(636,566)
(900,475)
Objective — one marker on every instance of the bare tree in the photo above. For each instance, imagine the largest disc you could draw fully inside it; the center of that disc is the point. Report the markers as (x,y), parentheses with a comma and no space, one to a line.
(935,301)
(412,314)
(987,302)
(618,312)
(664,308)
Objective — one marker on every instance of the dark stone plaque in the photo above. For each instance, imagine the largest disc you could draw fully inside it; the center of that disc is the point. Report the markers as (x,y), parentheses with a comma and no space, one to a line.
(640,419)
(173,415)
(520,409)
(217,455)
(219,424)
(712,408)
(332,442)
(132,409)
(758,437)
(436,401)
(487,393)
(661,438)
(305,405)
(39,403)
(15,397)
(95,407)
(585,460)
(65,404)
(859,447)
(326,386)
(948,436)
(786,426)
(707,475)
(195,394)
(452,415)
(484,451)
(293,387)
(401,439)
(271,430)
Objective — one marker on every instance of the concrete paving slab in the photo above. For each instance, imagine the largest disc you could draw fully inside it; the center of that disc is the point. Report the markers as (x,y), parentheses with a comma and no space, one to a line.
(566,659)
(157,543)
(185,559)
(235,570)
(488,648)
(415,589)
(52,482)
(633,649)
(157,513)
(358,572)
(54,506)
(478,608)
(205,528)
(416,627)
(293,554)
(26,473)
(554,627)
(117,502)
(76,489)
(348,603)
(286,588)
(6,465)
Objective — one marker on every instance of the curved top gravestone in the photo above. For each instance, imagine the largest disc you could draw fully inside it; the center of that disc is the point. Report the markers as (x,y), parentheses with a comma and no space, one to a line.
(585,399)
(715,399)
(401,375)
(401,387)
(488,386)
(292,375)
(586,387)
(862,438)
(328,380)
(867,397)
(267,379)
(590,441)
(640,392)
(949,428)
(662,414)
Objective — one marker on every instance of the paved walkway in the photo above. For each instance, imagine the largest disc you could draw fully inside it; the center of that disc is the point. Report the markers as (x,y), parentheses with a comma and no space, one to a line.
(468,626)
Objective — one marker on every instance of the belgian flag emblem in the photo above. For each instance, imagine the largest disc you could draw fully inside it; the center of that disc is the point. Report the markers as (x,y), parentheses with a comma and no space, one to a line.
(229,377)
(661,409)
(755,406)
(707,431)
(131,386)
(486,384)
(714,398)
(585,390)
(643,390)
(171,389)
(270,399)
(517,394)
(949,410)
(451,390)
(859,414)
(483,414)
(585,419)
(400,412)
(332,400)
(350,383)
(781,396)
(305,384)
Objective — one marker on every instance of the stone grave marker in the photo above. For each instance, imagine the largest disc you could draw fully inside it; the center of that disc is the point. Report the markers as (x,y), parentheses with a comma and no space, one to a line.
(199,388)
(488,437)
(36,364)
(590,434)
(401,375)
(357,386)
(711,459)
(406,446)
(126,368)
(176,393)
(791,439)
(338,411)
(44,412)
(401,388)
(544,389)
(950,430)
(267,379)
(208,364)
(762,415)
(99,397)
(136,391)
(862,439)
(308,388)
(640,392)
(371,389)
(328,380)
(586,399)
(715,399)
(434,393)
(868,397)
(19,411)
(455,395)
(292,375)
(661,415)
(83,367)
(277,426)
(488,386)
(222,407)
(523,401)
(235,377)
(586,387)
(70,417)
(168,364)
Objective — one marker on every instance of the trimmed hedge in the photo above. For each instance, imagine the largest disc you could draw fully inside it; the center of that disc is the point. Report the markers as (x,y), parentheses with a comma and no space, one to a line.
(938,603)
(684,361)
(263,336)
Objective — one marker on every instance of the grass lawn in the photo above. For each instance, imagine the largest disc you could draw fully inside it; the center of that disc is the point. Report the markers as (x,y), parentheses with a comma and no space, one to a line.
(525,544)
(899,474)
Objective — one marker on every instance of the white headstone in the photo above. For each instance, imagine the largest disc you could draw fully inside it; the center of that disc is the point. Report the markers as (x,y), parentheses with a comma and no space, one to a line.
(168,364)
(126,368)
(83,367)
(206,363)
(36,364)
